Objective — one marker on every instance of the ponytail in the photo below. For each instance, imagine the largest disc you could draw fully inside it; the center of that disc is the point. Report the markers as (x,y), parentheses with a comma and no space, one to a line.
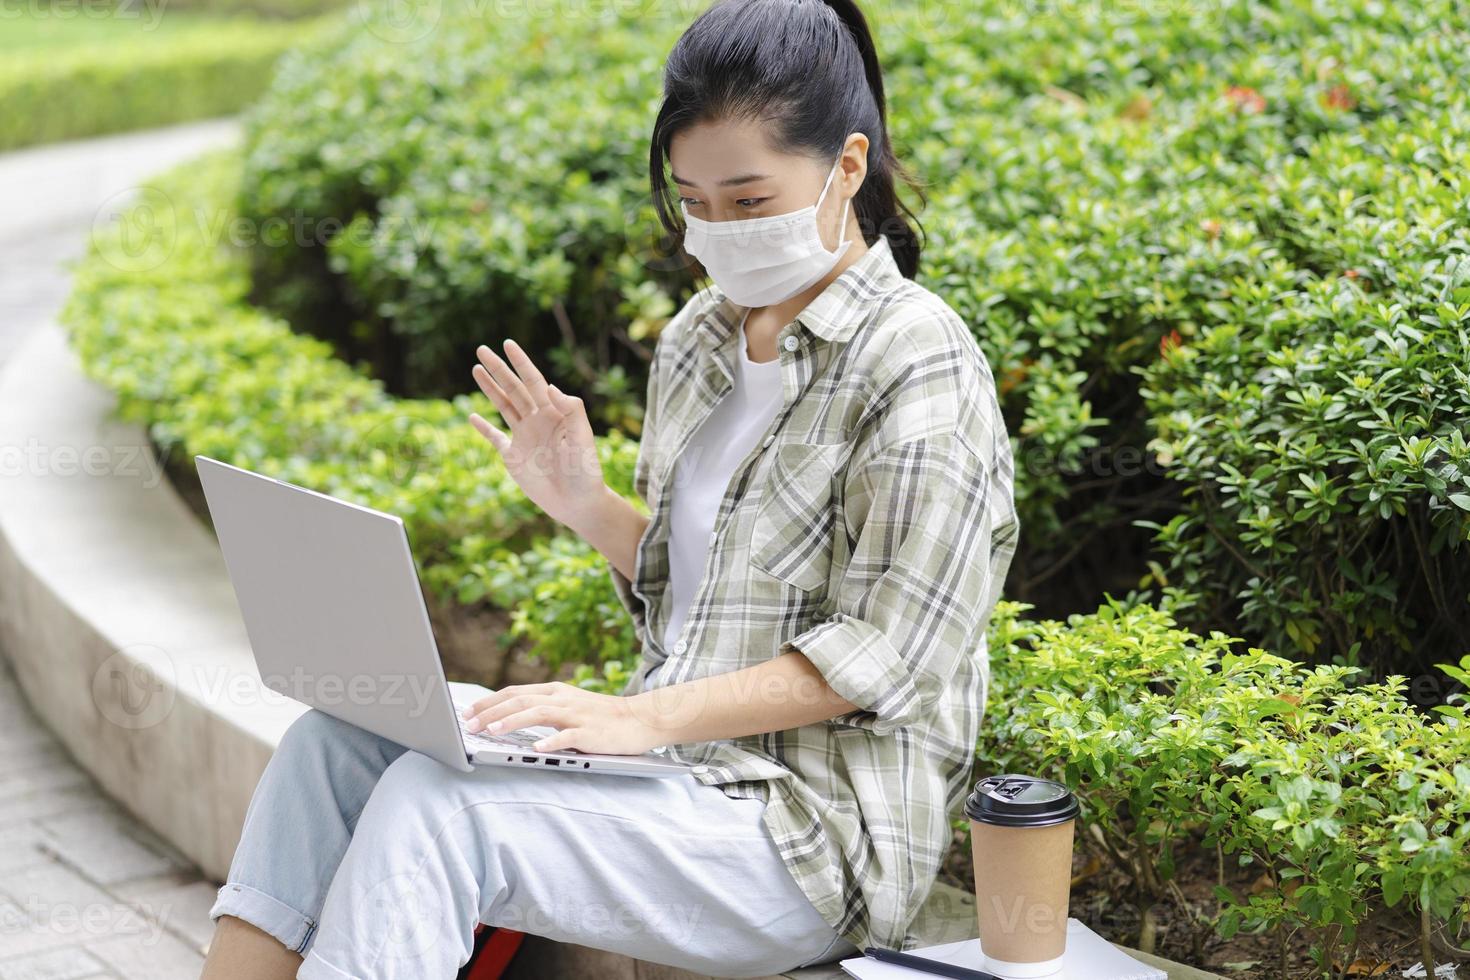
(877,200)
(810,67)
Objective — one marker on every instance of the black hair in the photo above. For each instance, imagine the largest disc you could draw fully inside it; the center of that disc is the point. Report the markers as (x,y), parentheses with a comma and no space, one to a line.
(810,68)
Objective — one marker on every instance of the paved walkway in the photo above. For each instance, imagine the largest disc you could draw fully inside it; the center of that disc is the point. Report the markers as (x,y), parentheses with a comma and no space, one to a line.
(51,195)
(85,890)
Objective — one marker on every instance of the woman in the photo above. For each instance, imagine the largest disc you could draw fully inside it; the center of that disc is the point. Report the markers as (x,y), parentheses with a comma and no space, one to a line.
(831,522)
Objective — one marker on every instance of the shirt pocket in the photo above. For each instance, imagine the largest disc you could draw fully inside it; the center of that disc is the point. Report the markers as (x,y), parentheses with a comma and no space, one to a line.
(792,538)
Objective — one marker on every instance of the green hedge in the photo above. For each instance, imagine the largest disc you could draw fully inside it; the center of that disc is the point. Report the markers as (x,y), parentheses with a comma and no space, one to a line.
(487,190)
(1346,797)
(1146,180)
(1104,187)
(273,9)
(1320,421)
(163,321)
(139,79)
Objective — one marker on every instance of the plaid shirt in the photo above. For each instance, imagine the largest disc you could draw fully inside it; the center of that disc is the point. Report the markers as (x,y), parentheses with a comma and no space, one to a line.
(871,529)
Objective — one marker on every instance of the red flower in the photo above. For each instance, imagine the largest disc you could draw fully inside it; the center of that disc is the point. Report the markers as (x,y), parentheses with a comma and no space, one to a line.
(1245,99)
(1339,97)
(1015,375)
(1170,341)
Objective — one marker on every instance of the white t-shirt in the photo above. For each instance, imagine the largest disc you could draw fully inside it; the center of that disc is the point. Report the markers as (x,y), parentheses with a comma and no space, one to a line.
(703,470)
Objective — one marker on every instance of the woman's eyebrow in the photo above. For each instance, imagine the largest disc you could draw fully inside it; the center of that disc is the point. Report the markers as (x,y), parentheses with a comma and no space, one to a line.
(727,182)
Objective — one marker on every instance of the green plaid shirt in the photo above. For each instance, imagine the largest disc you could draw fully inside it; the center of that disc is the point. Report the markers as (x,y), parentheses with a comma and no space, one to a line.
(871,529)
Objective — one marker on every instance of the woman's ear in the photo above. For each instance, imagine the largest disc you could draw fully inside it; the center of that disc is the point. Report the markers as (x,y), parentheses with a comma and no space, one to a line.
(853,164)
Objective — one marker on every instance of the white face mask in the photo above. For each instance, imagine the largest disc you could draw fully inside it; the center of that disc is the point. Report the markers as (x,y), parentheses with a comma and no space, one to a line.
(760,261)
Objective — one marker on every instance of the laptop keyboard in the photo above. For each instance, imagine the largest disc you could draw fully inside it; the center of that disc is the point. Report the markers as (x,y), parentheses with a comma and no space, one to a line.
(519,739)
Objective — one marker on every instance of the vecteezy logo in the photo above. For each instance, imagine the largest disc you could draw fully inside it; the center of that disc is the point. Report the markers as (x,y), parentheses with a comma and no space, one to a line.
(406,446)
(407,920)
(134,688)
(933,21)
(400,21)
(135,231)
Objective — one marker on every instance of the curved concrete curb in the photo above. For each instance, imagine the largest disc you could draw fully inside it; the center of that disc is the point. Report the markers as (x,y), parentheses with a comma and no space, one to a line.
(117,613)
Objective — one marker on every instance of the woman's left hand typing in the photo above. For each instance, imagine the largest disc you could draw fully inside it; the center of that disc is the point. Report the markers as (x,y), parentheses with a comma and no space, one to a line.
(586,721)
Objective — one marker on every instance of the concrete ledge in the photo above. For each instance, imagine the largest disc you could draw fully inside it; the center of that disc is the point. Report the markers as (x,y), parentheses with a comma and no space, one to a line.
(117,613)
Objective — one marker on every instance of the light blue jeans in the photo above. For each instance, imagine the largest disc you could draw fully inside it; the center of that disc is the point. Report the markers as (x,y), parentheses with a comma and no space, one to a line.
(377,862)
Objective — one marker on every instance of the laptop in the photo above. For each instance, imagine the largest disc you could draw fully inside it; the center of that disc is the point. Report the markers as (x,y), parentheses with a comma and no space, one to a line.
(336,618)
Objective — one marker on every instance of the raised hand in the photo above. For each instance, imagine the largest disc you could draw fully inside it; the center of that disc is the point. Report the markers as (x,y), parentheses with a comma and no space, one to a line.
(549,452)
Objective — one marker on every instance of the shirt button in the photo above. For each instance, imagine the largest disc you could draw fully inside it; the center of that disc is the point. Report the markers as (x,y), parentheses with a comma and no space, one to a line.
(681,646)
(791,343)
(767,441)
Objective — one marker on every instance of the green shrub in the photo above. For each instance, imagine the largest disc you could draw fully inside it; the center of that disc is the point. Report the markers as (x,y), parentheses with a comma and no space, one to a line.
(163,322)
(1128,180)
(1347,798)
(564,604)
(1320,424)
(488,190)
(273,9)
(139,79)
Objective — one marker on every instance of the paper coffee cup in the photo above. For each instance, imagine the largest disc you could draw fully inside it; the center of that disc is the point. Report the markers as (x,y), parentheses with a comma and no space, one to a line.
(1021,838)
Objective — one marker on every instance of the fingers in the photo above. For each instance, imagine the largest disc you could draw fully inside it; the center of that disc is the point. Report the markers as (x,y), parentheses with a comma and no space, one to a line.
(575,411)
(513,696)
(498,439)
(530,375)
(509,382)
(496,394)
(566,738)
(540,714)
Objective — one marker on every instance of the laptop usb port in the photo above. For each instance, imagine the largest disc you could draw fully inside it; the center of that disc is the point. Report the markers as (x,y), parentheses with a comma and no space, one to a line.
(553,762)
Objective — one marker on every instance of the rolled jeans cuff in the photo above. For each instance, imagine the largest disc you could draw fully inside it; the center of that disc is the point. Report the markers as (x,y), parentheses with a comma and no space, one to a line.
(292,928)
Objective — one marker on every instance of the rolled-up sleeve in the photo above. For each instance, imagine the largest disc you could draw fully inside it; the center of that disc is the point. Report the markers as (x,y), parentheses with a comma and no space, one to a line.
(916,596)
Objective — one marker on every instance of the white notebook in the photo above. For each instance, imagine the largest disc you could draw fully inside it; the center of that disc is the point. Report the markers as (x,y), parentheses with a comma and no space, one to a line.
(1088,957)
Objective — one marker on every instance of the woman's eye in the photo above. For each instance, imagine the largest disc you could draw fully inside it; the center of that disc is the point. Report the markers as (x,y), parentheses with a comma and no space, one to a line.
(744,202)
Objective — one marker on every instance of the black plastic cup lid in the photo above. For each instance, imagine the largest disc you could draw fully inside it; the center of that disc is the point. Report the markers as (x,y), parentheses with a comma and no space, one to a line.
(1021,801)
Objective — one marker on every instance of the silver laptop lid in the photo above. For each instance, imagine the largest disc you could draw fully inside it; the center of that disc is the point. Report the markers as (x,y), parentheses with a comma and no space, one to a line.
(332,584)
